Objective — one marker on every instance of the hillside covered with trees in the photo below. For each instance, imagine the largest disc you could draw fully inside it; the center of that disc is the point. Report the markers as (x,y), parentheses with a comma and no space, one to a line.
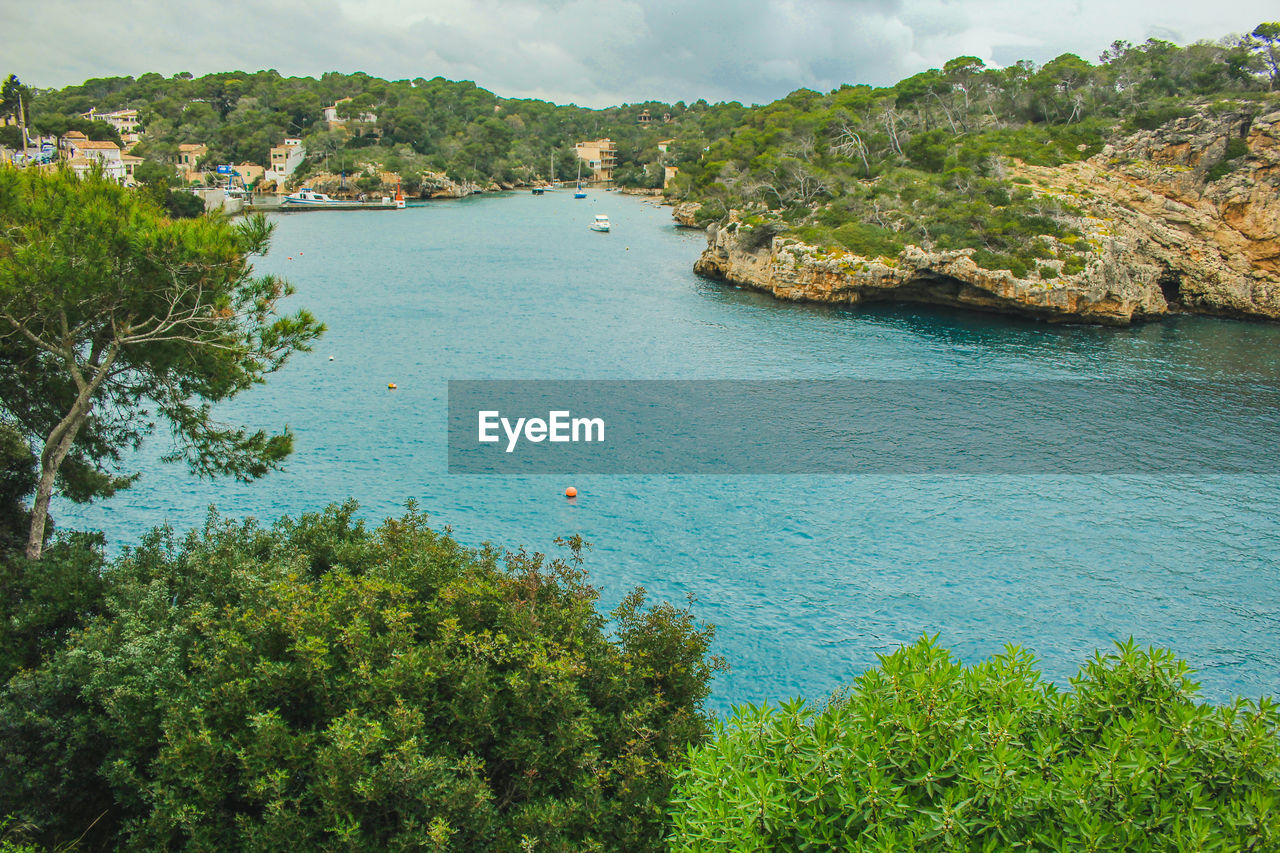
(867,168)
(926,161)
(454,128)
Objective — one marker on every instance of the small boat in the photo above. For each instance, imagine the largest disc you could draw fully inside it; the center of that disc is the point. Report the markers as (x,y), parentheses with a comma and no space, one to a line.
(538,191)
(306,195)
(600,223)
(579,192)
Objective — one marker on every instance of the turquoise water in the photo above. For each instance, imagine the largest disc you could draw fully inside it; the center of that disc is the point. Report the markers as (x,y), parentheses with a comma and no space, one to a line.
(807,578)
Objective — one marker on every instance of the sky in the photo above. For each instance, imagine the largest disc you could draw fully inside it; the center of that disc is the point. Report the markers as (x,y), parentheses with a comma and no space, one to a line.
(590,52)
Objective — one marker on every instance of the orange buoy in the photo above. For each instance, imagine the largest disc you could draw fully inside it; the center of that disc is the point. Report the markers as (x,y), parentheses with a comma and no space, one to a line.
(391,386)
(571,492)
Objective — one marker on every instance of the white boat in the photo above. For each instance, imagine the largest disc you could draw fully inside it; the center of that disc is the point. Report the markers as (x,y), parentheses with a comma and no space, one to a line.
(601,223)
(308,196)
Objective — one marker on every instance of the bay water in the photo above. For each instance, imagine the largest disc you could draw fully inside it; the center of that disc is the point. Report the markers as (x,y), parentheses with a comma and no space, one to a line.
(807,578)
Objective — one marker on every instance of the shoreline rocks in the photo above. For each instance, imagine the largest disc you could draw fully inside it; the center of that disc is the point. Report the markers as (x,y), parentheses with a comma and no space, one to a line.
(1174,228)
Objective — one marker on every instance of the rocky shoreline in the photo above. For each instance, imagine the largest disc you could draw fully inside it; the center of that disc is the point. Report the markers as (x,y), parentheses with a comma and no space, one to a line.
(1178,220)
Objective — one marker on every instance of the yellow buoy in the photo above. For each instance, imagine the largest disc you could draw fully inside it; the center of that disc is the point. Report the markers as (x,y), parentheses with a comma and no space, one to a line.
(391,386)
(571,492)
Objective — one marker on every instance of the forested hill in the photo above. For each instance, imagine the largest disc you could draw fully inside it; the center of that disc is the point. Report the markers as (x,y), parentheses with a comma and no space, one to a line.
(870,168)
(1145,185)
(437,125)
(926,162)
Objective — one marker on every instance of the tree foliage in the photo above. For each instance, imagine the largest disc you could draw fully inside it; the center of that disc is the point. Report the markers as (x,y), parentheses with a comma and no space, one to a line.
(319,685)
(111,313)
(922,753)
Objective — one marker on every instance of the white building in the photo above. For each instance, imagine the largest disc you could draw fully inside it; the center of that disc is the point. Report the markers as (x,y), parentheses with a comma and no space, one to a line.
(332,121)
(125,122)
(85,154)
(285,160)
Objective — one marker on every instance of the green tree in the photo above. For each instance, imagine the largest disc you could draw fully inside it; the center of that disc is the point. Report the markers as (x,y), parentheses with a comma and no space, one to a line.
(1265,40)
(15,100)
(109,310)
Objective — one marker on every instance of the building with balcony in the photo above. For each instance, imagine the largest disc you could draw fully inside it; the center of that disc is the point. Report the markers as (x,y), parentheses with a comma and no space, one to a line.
(601,156)
(125,122)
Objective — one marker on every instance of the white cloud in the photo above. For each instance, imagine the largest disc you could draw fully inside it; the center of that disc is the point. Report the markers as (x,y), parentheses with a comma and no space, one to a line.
(593,52)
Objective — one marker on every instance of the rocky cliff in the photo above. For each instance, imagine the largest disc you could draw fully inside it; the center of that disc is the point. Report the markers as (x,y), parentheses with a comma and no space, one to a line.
(1185,218)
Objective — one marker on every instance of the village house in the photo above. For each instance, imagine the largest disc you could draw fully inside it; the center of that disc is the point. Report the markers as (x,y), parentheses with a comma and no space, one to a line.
(250,173)
(69,140)
(668,173)
(285,159)
(645,118)
(664,144)
(333,122)
(130,163)
(85,154)
(189,156)
(125,123)
(600,156)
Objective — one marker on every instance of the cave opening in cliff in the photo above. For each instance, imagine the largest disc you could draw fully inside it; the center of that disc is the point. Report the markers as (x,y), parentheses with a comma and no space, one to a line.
(1171,287)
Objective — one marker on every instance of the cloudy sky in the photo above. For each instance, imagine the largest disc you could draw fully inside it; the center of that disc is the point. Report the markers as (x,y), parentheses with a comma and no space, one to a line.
(591,52)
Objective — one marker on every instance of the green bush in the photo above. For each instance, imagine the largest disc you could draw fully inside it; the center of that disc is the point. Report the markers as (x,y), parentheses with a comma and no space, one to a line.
(999,261)
(11,840)
(44,602)
(1154,117)
(317,685)
(861,238)
(1073,264)
(923,753)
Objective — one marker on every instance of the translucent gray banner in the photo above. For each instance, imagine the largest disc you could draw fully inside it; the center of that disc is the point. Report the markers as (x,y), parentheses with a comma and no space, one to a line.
(852,426)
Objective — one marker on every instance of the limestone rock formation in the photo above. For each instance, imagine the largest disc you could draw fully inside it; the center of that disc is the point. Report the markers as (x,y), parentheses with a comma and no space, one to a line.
(686,214)
(1185,218)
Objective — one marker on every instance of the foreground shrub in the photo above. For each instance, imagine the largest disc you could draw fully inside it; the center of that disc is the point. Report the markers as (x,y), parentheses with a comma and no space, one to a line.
(316,685)
(925,754)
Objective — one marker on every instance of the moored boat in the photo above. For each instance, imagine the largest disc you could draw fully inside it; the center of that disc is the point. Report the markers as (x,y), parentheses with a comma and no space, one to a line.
(600,223)
(306,195)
